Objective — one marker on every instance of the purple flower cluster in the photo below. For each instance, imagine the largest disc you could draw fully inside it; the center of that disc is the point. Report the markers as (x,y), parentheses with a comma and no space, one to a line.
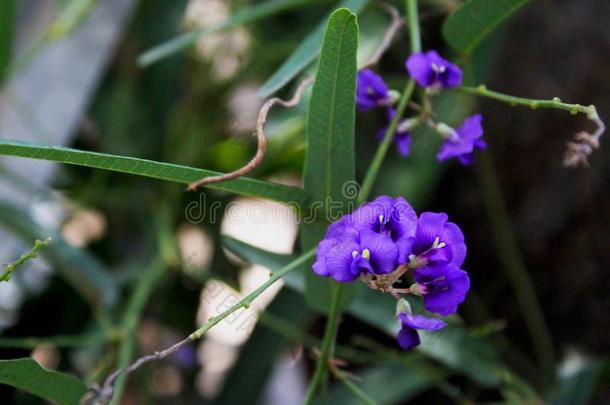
(433,73)
(382,240)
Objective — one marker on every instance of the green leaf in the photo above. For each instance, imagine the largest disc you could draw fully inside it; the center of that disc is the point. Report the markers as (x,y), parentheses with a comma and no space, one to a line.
(304,54)
(8,16)
(474,20)
(330,167)
(86,275)
(27,375)
(149,168)
(245,15)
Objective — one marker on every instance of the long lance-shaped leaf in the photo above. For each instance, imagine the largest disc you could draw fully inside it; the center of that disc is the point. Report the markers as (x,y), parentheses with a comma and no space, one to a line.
(8,17)
(474,20)
(149,168)
(245,15)
(304,54)
(330,167)
(27,375)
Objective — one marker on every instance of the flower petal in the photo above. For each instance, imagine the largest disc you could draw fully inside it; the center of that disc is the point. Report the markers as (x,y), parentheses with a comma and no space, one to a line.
(408,338)
(423,323)
(454,238)
(383,251)
(430,226)
(444,298)
(420,69)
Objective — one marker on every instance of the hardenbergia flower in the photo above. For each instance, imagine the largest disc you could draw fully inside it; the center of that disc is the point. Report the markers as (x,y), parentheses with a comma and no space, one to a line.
(462,141)
(408,338)
(383,241)
(431,71)
(371,91)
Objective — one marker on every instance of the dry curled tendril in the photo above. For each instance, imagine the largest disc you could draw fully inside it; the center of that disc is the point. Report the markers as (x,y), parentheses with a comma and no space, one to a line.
(394,27)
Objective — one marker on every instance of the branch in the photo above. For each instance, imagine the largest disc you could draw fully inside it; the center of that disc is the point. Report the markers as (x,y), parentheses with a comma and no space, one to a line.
(103,394)
(261,149)
(584,144)
(11,267)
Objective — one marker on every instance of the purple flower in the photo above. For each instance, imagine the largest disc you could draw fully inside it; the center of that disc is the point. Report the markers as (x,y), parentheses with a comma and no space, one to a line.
(462,141)
(408,337)
(430,70)
(394,218)
(346,252)
(437,242)
(442,287)
(402,137)
(371,91)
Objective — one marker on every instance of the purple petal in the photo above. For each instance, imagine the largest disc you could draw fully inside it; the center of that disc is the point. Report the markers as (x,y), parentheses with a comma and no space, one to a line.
(452,76)
(467,159)
(430,226)
(383,251)
(403,143)
(339,261)
(445,296)
(454,238)
(408,338)
(371,90)
(471,128)
(420,69)
(421,322)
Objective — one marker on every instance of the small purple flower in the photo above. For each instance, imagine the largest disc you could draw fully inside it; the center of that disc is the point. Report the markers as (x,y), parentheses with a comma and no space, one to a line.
(462,141)
(394,218)
(437,242)
(402,137)
(408,338)
(442,287)
(346,252)
(430,70)
(371,91)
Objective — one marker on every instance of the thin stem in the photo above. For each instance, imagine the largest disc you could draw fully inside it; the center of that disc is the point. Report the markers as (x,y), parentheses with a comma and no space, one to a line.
(514,264)
(584,143)
(414,31)
(107,391)
(328,344)
(556,103)
(373,171)
(11,267)
(358,393)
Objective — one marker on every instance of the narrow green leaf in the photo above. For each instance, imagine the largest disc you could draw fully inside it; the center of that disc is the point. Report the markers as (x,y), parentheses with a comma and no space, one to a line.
(8,16)
(304,54)
(149,168)
(330,167)
(188,39)
(89,277)
(27,375)
(474,20)
(71,17)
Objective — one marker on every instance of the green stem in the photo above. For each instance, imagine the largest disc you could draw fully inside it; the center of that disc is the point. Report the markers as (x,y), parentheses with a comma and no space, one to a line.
(514,264)
(555,103)
(246,301)
(414,32)
(135,307)
(11,267)
(328,344)
(388,137)
(373,171)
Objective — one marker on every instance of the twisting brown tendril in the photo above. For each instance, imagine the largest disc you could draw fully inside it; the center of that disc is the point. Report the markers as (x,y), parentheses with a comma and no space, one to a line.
(395,25)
